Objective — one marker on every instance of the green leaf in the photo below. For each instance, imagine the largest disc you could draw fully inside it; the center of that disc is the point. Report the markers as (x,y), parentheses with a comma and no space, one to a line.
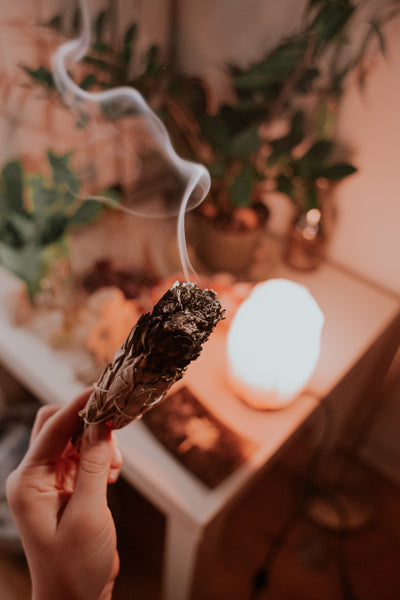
(105,65)
(256,107)
(245,143)
(100,47)
(241,190)
(330,21)
(77,21)
(63,177)
(284,185)
(52,229)
(280,150)
(12,183)
(278,64)
(307,79)
(82,120)
(312,3)
(55,23)
(215,130)
(24,225)
(313,159)
(311,197)
(234,121)
(99,24)
(41,75)
(379,34)
(320,150)
(283,146)
(88,81)
(43,197)
(297,129)
(3,209)
(151,60)
(216,169)
(87,211)
(337,171)
(114,194)
(10,235)
(129,39)
(59,164)
(220,129)
(189,93)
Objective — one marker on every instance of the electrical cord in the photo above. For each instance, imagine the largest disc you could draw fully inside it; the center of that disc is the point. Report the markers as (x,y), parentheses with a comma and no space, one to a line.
(261,576)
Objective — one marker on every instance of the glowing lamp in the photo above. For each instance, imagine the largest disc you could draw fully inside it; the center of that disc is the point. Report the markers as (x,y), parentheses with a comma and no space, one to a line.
(273,343)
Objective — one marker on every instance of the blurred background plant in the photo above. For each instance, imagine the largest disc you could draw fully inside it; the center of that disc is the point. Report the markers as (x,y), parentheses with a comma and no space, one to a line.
(298,86)
(224,142)
(36,212)
(278,134)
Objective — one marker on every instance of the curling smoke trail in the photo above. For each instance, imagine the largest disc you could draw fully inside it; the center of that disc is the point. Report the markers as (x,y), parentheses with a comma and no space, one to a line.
(127,98)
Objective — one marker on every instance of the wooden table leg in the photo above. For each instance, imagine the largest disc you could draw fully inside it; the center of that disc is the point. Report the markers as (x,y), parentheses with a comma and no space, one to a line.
(190,551)
(181,551)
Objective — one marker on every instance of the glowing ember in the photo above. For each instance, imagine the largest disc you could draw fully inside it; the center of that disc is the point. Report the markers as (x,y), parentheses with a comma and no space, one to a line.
(274,343)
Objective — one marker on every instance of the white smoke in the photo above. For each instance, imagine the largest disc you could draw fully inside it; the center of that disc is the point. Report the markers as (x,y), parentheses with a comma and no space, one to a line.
(126,100)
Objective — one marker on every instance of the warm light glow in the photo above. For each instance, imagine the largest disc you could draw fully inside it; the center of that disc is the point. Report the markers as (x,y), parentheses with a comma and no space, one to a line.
(273,343)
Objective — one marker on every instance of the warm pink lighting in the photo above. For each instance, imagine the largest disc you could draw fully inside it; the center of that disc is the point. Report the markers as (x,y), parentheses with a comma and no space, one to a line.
(273,343)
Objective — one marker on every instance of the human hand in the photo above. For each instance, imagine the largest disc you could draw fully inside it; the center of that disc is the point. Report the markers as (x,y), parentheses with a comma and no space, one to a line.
(59,501)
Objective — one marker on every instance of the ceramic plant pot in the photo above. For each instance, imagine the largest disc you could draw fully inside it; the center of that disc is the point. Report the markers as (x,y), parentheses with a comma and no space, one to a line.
(221,249)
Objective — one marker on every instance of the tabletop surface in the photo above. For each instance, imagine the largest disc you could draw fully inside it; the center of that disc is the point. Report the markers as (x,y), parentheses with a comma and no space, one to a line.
(356,313)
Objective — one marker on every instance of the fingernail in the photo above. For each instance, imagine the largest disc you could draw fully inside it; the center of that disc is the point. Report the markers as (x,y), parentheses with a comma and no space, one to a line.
(100,432)
(113,476)
(117,456)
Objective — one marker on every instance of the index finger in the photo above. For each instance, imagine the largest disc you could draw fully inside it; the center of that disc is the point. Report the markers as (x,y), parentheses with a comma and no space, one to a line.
(56,432)
(43,414)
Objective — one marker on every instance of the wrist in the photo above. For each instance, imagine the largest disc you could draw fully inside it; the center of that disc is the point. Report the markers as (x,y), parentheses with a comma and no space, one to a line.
(58,592)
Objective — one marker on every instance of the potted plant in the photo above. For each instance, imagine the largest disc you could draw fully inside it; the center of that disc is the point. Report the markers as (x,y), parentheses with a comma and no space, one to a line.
(308,179)
(36,212)
(226,228)
(226,143)
(301,82)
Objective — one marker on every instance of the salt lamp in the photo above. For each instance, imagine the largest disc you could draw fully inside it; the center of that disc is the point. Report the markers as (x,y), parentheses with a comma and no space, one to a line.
(273,343)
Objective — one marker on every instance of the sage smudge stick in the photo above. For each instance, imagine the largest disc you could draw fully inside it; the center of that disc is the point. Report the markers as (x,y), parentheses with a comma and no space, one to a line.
(155,355)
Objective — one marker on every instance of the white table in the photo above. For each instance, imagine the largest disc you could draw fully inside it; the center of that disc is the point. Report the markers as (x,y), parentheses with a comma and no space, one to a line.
(359,317)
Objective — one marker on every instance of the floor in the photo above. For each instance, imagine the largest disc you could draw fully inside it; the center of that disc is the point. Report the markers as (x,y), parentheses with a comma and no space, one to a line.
(270,528)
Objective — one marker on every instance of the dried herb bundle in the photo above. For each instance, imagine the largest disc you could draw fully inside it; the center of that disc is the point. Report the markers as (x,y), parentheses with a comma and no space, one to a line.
(155,355)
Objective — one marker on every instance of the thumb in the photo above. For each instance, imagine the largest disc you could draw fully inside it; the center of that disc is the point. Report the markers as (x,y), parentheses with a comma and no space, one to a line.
(94,466)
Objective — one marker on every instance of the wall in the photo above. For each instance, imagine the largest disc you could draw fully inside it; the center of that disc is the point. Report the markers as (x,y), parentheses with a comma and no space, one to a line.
(367,238)
(216,34)
(103,153)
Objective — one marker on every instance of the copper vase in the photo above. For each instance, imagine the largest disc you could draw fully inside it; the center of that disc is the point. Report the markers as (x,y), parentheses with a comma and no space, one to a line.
(306,240)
